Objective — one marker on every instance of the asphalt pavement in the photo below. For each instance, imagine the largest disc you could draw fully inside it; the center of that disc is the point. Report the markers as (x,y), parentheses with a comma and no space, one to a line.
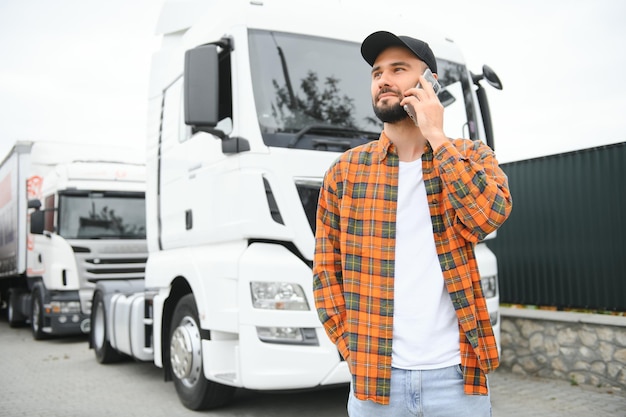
(61,378)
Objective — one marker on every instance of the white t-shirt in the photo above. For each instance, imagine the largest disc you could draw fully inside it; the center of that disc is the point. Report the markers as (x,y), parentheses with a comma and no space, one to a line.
(425,325)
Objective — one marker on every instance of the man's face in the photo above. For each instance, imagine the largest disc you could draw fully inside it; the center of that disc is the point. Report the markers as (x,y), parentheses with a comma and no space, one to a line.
(395,70)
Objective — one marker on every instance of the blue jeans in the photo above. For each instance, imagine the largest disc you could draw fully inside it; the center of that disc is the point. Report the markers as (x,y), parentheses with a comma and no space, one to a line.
(432,393)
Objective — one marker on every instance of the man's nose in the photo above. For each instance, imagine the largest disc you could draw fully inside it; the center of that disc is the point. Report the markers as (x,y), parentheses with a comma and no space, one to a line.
(382,81)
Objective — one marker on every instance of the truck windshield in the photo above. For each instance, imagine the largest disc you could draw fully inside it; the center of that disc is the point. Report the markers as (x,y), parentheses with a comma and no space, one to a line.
(98,215)
(314,93)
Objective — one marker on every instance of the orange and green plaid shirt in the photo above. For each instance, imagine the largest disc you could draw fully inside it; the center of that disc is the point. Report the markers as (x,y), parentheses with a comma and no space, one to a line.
(353,269)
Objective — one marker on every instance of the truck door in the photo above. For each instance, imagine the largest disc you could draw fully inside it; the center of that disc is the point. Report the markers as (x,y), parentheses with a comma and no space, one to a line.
(190,167)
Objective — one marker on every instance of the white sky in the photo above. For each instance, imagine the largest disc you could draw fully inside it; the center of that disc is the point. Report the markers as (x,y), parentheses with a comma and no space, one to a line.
(77,70)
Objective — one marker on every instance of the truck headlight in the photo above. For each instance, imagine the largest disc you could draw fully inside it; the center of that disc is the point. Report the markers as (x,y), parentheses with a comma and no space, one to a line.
(489,285)
(65,307)
(493,318)
(278,296)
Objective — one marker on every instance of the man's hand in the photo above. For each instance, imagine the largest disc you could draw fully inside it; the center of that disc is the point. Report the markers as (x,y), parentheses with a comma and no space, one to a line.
(428,112)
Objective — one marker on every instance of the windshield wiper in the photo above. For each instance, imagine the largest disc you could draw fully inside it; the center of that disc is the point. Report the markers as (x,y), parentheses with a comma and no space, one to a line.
(333,131)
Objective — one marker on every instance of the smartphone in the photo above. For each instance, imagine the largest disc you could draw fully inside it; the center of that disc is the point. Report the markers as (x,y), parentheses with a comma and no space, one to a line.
(428,74)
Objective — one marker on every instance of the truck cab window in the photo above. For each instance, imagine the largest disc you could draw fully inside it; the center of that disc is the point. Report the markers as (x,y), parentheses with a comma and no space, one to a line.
(49,216)
(226,101)
(102,216)
(311,92)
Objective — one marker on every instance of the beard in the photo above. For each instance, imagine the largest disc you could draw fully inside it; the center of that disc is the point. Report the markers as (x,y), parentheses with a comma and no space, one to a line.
(389,113)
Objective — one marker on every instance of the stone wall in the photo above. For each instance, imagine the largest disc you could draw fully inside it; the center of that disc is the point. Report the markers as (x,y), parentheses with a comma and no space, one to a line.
(581,348)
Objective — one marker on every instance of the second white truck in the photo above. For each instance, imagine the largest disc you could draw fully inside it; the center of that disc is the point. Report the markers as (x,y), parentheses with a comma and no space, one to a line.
(250,103)
(70,215)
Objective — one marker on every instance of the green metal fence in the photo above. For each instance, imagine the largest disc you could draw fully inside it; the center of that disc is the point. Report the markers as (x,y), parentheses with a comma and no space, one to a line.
(564,244)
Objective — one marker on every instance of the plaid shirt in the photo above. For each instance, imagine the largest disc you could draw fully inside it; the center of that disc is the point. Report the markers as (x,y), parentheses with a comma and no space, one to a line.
(353,269)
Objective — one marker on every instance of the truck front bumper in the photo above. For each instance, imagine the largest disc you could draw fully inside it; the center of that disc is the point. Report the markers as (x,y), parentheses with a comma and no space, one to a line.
(248,362)
(67,324)
(63,315)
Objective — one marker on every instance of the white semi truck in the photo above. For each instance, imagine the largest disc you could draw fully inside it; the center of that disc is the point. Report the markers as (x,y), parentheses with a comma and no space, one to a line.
(250,102)
(70,215)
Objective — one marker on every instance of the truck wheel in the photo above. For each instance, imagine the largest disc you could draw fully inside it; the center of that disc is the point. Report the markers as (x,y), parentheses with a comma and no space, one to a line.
(194,390)
(14,315)
(36,316)
(105,353)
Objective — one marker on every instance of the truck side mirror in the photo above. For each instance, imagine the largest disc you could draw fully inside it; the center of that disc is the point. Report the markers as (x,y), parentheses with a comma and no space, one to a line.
(492,79)
(201,88)
(37,219)
(34,204)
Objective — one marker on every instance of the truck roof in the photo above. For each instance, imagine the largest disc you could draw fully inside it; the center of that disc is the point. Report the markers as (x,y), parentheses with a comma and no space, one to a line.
(53,153)
(185,24)
(202,19)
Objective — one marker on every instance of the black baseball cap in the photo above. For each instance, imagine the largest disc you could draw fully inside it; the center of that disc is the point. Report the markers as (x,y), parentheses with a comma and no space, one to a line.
(377,42)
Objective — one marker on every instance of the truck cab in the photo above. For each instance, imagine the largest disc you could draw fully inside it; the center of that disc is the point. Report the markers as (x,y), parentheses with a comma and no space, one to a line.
(88,224)
(74,215)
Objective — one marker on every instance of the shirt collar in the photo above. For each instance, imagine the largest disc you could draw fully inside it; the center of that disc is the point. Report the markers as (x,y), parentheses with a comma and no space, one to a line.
(386,146)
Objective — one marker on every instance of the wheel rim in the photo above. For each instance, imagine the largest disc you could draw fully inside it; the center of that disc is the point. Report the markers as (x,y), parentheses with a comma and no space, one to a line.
(97,328)
(36,314)
(185,352)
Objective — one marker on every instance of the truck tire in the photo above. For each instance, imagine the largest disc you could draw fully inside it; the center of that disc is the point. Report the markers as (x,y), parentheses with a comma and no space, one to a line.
(15,317)
(36,315)
(194,390)
(99,335)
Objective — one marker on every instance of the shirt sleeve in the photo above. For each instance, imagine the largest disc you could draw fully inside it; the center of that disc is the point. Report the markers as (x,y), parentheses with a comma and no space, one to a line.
(476,186)
(327,271)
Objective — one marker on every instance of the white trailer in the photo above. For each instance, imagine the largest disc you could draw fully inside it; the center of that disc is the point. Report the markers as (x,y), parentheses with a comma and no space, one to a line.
(250,102)
(70,215)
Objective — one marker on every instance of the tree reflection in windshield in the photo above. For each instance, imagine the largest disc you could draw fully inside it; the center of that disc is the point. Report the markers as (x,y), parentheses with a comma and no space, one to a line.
(99,216)
(325,106)
(302,82)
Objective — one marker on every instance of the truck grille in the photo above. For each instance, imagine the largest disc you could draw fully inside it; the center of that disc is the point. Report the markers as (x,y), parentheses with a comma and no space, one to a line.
(102,261)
